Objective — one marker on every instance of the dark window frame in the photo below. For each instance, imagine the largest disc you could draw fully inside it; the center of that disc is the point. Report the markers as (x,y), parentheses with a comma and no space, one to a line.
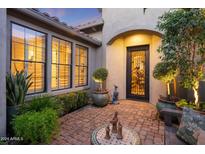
(29,61)
(79,66)
(57,64)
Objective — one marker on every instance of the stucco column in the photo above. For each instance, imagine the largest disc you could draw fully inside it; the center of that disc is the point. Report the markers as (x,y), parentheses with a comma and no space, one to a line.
(48,63)
(3,44)
(73,65)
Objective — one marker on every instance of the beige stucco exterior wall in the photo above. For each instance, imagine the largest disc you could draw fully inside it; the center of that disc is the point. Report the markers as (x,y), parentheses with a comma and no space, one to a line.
(121,20)
(142,30)
(116,63)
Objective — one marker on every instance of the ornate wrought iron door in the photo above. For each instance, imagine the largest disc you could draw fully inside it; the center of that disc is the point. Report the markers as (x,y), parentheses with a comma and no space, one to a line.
(138,72)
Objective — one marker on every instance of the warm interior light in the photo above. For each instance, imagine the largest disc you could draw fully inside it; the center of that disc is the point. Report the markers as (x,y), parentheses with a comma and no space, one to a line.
(30,57)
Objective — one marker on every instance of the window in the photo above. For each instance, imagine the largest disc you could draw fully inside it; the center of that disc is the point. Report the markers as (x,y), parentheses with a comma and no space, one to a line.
(28,53)
(81,66)
(61,64)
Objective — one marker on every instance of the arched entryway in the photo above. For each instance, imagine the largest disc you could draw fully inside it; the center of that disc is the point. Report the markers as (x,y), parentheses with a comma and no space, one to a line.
(130,60)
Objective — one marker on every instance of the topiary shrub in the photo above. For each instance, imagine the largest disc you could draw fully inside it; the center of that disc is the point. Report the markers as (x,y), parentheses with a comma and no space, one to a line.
(41,103)
(100,75)
(165,72)
(36,127)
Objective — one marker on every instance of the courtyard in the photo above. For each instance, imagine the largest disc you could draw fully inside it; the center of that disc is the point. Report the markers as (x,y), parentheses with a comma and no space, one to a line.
(63,84)
(76,127)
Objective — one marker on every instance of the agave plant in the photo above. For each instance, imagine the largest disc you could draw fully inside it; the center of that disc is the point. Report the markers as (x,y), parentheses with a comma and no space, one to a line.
(17,86)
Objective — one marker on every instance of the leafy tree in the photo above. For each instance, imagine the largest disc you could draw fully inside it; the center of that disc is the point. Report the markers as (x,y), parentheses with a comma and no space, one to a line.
(166,72)
(183,44)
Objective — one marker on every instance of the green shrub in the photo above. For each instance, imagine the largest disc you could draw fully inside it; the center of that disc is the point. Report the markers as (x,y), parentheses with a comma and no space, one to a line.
(3,142)
(36,127)
(82,98)
(69,101)
(165,72)
(202,105)
(40,103)
(73,101)
(184,103)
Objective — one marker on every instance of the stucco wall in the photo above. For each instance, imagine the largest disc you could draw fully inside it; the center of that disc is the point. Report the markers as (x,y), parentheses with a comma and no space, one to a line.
(127,24)
(121,20)
(3,38)
(116,63)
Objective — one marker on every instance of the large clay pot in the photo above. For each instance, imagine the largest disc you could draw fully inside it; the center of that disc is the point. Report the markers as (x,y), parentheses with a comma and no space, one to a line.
(100,98)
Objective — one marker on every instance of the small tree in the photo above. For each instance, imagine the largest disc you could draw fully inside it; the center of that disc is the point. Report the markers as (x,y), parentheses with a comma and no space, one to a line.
(100,75)
(183,44)
(165,72)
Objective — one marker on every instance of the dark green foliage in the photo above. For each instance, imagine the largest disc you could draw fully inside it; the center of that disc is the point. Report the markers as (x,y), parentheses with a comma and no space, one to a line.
(16,87)
(69,101)
(100,74)
(36,127)
(202,105)
(82,98)
(165,71)
(183,44)
(41,103)
(183,103)
(73,101)
(3,143)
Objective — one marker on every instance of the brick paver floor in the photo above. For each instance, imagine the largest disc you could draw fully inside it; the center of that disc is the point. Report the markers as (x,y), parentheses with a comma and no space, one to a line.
(76,127)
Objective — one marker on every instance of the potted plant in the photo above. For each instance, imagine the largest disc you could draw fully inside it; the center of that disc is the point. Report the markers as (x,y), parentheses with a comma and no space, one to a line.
(183,44)
(17,86)
(166,72)
(100,96)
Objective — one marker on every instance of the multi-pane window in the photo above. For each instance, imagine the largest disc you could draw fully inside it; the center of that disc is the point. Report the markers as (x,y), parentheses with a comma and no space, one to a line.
(81,66)
(61,64)
(28,53)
